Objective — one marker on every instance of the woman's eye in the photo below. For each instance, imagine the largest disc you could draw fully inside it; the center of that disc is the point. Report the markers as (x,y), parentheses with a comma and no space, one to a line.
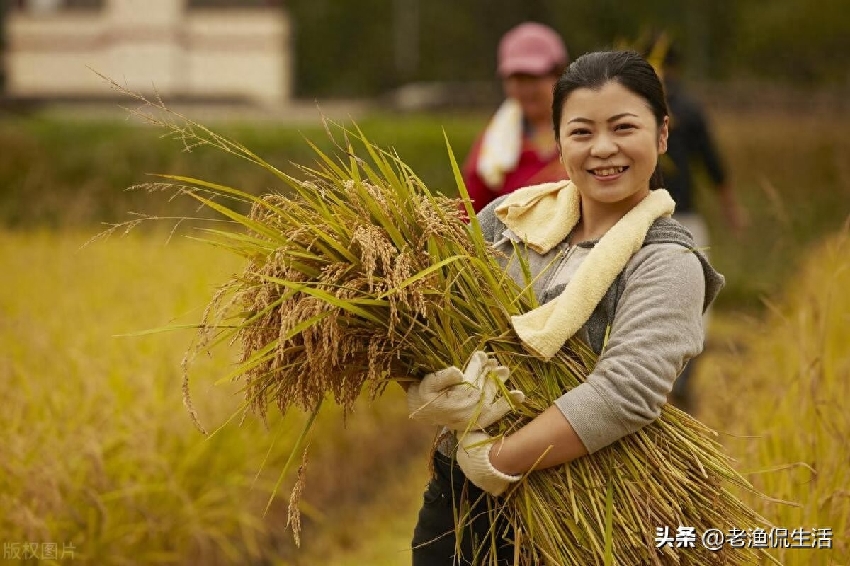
(580,132)
(624,127)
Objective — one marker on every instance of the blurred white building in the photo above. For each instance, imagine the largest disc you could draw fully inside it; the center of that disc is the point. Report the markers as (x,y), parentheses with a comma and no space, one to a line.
(196,49)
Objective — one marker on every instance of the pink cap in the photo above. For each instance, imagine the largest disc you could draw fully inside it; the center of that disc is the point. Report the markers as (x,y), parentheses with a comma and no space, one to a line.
(532,49)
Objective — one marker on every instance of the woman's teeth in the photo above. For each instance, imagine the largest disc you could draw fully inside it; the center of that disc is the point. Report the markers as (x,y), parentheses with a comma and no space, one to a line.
(608,171)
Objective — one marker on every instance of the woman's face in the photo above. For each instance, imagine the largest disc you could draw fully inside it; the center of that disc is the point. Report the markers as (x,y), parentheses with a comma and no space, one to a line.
(534,94)
(610,143)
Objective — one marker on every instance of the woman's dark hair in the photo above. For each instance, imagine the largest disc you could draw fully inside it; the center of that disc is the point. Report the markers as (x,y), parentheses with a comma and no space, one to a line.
(594,70)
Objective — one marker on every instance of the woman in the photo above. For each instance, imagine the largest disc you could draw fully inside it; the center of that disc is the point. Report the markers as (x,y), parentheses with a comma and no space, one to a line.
(617,272)
(517,148)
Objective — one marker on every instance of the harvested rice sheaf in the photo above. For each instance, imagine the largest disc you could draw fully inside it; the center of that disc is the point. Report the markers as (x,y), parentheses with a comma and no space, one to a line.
(359,275)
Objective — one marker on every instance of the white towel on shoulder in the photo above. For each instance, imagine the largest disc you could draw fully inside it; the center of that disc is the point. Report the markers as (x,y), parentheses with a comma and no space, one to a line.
(501,144)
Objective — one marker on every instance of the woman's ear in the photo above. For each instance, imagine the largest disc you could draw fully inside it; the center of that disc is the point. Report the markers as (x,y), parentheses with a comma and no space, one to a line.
(663,132)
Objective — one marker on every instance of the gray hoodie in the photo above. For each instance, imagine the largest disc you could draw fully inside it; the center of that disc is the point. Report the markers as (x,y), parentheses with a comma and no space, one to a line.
(654,310)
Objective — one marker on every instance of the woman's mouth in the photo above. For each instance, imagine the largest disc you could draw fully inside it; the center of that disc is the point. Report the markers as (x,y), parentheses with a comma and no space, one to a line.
(607,172)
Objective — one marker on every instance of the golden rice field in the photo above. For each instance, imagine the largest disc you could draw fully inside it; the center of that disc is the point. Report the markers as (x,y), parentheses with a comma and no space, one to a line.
(100,458)
(101,464)
(777,390)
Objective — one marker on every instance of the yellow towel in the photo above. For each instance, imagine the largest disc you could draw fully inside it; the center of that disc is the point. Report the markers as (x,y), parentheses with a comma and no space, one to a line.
(542,216)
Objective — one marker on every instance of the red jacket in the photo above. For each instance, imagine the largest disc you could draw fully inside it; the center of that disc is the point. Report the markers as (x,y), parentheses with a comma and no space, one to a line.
(531,169)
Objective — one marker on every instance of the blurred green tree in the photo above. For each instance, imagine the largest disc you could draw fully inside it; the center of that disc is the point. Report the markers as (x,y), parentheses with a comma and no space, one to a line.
(797,41)
(368,47)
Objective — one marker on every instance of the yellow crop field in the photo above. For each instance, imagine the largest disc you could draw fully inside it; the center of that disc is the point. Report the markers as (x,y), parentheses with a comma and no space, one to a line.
(778,395)
(100,462)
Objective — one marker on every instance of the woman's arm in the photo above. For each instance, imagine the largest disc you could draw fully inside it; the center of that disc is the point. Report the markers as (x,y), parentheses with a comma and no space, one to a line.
(548,440)
(657,329)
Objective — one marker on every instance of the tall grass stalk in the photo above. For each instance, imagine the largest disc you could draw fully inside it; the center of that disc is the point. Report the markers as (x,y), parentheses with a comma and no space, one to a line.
(359,276)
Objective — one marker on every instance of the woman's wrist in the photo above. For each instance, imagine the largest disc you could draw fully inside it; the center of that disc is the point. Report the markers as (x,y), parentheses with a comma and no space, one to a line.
(503,459)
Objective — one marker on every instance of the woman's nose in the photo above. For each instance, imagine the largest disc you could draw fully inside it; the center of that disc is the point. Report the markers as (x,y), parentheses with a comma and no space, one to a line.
(603,146)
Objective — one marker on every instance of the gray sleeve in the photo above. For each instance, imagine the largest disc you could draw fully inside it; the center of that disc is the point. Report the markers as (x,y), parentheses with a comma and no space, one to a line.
(657,328)
(491,226)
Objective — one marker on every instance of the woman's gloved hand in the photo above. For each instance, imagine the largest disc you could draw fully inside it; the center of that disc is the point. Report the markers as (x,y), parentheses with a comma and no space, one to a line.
(473,457)
(464,400)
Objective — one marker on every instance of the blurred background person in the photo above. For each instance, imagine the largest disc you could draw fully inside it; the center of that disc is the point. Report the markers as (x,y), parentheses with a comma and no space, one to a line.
(693,144)
(690,147)
(517,148)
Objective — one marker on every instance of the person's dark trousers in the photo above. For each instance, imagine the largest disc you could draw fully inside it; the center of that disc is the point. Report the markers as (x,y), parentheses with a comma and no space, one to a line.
(682,396)
(434,538)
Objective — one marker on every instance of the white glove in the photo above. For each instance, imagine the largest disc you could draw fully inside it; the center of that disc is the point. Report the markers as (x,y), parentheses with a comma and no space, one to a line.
(473,457)
(466,400)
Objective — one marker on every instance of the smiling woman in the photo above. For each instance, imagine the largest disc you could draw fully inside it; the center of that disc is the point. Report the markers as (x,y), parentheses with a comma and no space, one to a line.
(610,133)
(609,267)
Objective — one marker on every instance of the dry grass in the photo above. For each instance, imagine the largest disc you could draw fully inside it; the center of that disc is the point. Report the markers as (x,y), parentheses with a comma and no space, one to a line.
(365,275)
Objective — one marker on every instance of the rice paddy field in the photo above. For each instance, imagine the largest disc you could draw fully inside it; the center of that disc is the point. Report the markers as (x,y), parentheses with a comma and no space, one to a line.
(100,462)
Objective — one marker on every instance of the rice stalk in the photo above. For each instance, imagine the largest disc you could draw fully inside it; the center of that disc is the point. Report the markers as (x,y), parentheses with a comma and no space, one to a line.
(359,275)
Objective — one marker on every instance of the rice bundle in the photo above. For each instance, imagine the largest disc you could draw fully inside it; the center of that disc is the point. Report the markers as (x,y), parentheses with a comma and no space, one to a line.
(360,275)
